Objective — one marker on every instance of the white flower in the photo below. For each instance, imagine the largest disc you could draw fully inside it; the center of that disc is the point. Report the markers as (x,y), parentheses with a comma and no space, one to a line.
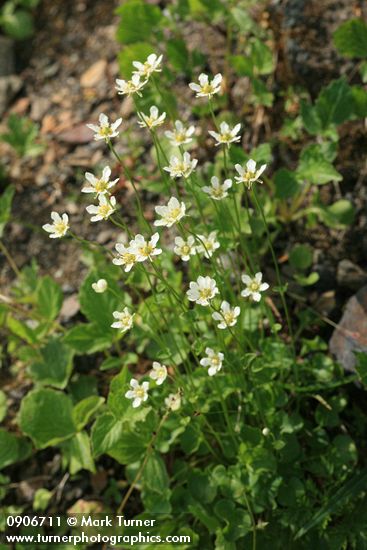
(227,315)
(104,210)
(203,290)
(180,135)
(124,319)
(185,249)
(145,250)
(181,167)
(124,257)
(151,65)
(226,136)
(105,130)
(249,174)
(158,373)
(130,87)
(99,185)
(213,360)
(217,191)
(173,401)
(208,244)
(206,88)
(254,286)
(138,392)
(153,119)
(172,213)
(59,227)
(100,286)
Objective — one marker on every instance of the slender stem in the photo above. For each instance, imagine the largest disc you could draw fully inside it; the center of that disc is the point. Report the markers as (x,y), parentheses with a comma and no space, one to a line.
(10,259)
(281,290)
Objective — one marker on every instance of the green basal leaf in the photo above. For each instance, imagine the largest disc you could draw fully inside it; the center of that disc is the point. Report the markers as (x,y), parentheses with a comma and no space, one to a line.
(55,366)
(300,256)
(12,448)
(137,19)
(85,409)
(351,38)
(46,416)
(286,184)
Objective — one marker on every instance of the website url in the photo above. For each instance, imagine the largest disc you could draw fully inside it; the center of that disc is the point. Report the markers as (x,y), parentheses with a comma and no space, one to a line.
(113,540)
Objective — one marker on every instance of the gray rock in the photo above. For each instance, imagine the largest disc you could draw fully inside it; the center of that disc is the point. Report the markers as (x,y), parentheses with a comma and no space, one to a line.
(351,333)
(9,87)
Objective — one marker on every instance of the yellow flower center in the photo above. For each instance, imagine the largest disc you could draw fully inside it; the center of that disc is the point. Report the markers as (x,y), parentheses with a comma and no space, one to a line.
(180,137)
(174,213)
(254,286)
(226,137)
(60,227)
(229,317)
(146,250)
(161,373)
(205,293)
(101,186)
(207,89)
(215,361)
(128,258)
(139,392)
(185,249)
(104,210)
(105,131)
(217,192)
(248,176)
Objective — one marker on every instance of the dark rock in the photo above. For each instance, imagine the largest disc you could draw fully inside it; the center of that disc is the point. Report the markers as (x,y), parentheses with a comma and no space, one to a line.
(350,275)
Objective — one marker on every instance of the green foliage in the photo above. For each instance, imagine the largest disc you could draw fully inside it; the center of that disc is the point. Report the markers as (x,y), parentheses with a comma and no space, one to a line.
(16,18)
(351,38)
(46,416)
(22,136)
(5,207)
(138,19)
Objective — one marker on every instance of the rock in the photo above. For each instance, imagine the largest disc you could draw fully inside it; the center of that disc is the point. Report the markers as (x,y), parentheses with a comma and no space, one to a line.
(350,275)
(9,87)
(92,76)
(351,333)
(70,307)
(39,107)
(77,134)
(7,65)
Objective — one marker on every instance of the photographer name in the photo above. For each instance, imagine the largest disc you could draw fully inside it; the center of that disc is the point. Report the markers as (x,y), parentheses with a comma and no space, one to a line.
(121,521)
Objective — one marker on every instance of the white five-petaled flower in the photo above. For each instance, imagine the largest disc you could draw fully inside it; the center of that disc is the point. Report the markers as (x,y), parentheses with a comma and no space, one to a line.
(206,88)
(226,135)
(202,291)
(124,257)
(104,210)
(151,65)
(180,135)
(217,191)
(213,360)
(181,167)
(158,373)
(99,185)
(171,213)
(207,244)
(130,87)
(138,392)
(185,249)
(145,250)
(254,286)
(124,319)
(153,119)
(227,316)
(59,227)
(100,286)
(105,130)
(248,174)
(173,401)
